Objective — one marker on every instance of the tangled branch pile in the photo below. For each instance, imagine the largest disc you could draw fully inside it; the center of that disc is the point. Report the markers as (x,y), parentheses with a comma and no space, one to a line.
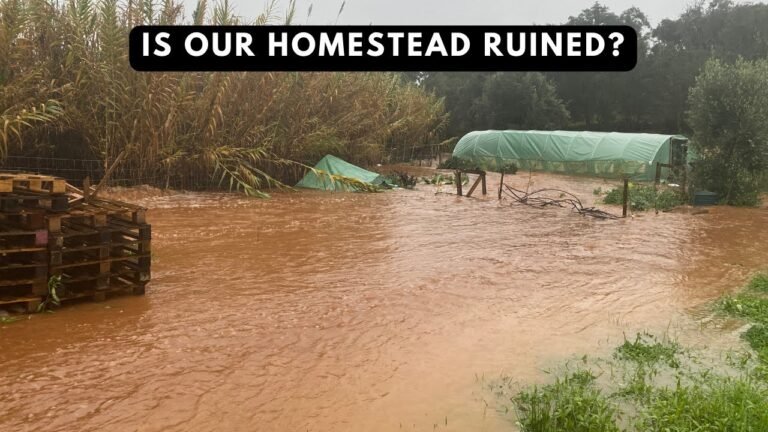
(539,199)
(68,91)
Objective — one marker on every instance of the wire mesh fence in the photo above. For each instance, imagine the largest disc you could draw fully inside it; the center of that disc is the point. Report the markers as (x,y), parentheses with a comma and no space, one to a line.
(73,170)
(194,178)
(76,170)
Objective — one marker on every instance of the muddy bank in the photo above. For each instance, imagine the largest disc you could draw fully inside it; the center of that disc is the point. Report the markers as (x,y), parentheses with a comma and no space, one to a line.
(328,312)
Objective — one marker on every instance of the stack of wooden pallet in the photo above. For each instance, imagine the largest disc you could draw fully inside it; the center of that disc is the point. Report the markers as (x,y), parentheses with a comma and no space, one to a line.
(56,241)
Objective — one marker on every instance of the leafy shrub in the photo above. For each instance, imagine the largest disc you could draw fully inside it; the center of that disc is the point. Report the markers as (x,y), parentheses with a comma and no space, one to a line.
(455,163)
(508,169)
(743,191)
(728,117)
(442,179)
(643,197)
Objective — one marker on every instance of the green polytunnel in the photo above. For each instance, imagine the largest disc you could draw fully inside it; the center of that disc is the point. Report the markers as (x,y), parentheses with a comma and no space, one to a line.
(336,167)
(601,154)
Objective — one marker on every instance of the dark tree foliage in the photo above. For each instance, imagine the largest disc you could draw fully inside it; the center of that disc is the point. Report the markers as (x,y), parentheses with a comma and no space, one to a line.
(461,90)
(651,98)
(729,117)
(503,100)
(606,100)
(515,101)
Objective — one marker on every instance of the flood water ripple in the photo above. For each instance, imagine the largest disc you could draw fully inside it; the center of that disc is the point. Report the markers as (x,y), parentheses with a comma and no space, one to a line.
(352,312)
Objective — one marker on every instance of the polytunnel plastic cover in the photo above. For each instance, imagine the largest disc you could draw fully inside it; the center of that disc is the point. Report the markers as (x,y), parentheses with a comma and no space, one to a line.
(609,154)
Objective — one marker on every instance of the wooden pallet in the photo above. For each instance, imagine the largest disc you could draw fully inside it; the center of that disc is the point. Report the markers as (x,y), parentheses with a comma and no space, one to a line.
(19,286)
(18,239)
(23,281)
(15,203)
(98,248)
(25,219)
(10,183)
(30,304)
(117,210)
(24,256)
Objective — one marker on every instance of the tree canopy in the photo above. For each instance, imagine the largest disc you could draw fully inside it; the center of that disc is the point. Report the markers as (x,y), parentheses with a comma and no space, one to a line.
(729,116)
(651,98)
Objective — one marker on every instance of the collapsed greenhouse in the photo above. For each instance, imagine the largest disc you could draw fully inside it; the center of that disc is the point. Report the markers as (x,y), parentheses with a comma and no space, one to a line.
(335,174)
(638,156)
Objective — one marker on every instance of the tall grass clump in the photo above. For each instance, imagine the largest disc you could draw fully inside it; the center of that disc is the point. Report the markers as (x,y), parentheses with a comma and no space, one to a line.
(646,349)
(68,91)
(714,404)
(757,338)
(747,306)
(751,305)
(656,384)
(572,403)
(648,384)
(759,283)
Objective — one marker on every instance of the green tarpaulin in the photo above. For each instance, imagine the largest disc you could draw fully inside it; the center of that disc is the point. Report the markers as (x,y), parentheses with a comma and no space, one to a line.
(603,154)
(337,167)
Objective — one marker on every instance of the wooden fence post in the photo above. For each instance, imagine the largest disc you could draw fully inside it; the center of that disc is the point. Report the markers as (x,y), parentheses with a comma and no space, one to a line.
(625,198)
(474,186)
(501,184)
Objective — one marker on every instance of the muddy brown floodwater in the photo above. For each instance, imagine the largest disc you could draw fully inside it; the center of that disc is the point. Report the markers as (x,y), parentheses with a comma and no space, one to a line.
(363,312)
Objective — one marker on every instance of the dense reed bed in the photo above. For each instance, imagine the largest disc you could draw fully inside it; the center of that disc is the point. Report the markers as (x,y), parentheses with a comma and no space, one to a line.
(68,91)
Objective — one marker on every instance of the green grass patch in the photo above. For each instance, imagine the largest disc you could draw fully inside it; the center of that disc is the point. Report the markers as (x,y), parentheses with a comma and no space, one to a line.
(656,384)
(746,306)
(646,349)
(572,403)
(751,305)
(714,404)
(759,283)
(757,336)
(648,384)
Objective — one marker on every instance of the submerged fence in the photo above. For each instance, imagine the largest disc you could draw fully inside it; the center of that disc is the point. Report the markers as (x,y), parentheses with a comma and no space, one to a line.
(76,170)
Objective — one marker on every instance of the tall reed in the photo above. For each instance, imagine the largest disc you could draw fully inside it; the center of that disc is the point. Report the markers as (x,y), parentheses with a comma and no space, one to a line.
(67,90)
